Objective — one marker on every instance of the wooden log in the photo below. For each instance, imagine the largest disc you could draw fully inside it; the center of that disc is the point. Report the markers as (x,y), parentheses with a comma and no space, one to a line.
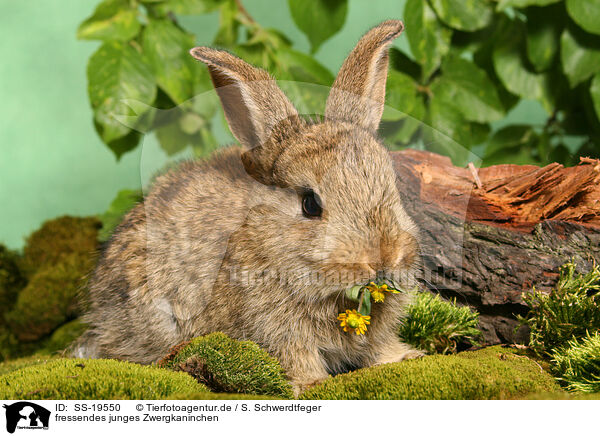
(489,235)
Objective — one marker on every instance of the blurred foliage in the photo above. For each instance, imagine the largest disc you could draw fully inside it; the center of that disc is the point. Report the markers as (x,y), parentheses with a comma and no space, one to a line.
(43,291)
(123,202)
(471,62)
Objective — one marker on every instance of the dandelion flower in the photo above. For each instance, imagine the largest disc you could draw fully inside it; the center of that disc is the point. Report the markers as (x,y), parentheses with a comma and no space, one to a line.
(352,320)
(378,292)
(378,295)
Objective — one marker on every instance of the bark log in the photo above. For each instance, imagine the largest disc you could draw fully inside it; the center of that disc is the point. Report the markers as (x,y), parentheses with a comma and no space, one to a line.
(489,235)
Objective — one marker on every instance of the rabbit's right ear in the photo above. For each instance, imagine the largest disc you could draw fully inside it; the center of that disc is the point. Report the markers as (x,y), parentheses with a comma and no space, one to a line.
(358,92)
(259,114)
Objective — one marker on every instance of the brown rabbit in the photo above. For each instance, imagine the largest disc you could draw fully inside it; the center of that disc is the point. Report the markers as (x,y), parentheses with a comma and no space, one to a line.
(260,242)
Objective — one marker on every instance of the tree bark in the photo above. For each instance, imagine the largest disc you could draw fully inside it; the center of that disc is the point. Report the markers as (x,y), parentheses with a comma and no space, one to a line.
(489,235)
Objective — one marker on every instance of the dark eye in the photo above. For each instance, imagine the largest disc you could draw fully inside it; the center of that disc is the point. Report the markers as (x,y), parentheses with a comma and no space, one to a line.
(310,205)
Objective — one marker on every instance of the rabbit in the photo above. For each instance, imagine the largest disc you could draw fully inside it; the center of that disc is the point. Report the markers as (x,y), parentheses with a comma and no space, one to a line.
(261,241)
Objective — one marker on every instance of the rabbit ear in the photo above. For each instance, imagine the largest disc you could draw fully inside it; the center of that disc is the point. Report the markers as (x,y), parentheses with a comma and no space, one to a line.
(358,93)
(254,106)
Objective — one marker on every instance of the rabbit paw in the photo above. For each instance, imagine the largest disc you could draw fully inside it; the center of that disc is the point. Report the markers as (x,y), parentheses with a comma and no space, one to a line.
(300,386)
(397,353)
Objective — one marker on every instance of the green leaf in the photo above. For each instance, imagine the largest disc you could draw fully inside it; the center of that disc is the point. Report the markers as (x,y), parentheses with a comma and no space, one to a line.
(302,68)
(503,4)
(190,7)
(579,54)
(113,20)
(366,303)
(510,64)
(447,121)
(484,43)
(401,62)
(204,142)
(172,138)
(502,143)
(586,13)
(353,292)
(544,26)
(429,39)
(191,123)
(123,202)
(595,94)
(403,133)
(116,73)
(319,20)
(468,88)
(466,15)
(227,35)
(167,47)
(401,97)
(125,143)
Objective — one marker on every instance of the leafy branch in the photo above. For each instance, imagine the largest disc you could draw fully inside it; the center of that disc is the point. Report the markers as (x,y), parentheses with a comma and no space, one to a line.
(466,69)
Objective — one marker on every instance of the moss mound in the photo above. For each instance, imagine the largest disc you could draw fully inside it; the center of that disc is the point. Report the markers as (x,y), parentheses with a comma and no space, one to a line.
(490,373)
(64,336)
(221,396)
(50,298)
(45,288)
(11,279)
(78,379)
(58,238)
(227,365)
(24,362)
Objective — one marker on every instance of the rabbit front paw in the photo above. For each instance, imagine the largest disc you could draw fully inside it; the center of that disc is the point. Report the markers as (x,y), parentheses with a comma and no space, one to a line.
(397,352)
(299,386)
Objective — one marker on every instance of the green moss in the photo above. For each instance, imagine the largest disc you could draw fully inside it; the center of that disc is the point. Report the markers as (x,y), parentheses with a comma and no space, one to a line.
(11,280)
(11,347)
(562,396)
(79,379)
(490,373)
(216,396)
(24,362)
(227,365)
(577,366)
(63,336)
(437,326)
(58,238)
(50,298)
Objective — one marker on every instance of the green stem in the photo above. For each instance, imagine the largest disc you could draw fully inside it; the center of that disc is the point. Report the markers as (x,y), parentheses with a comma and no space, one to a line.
(360,300)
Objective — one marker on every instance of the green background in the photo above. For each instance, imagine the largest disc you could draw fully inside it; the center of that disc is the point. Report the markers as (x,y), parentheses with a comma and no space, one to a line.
(51,161)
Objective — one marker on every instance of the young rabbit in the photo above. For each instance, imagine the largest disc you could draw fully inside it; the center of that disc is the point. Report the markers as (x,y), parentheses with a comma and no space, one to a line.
(261,242)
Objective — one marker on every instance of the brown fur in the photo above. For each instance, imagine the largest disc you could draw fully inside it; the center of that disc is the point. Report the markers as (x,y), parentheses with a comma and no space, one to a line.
(222,245)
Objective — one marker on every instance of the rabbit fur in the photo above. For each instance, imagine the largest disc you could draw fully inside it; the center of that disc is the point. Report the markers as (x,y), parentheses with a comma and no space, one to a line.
(223,245)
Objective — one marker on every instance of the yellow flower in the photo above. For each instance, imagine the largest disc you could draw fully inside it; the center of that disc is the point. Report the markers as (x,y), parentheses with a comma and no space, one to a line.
(352,320)
(378,295)
(378,292)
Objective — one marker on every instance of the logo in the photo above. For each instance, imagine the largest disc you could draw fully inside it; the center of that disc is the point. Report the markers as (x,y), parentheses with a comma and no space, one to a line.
(26,415)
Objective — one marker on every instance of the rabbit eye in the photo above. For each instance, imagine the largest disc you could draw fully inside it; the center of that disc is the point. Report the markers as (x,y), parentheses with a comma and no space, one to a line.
(310,205)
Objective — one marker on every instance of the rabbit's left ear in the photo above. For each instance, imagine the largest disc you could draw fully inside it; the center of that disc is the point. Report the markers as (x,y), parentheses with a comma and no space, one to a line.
(358,92)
